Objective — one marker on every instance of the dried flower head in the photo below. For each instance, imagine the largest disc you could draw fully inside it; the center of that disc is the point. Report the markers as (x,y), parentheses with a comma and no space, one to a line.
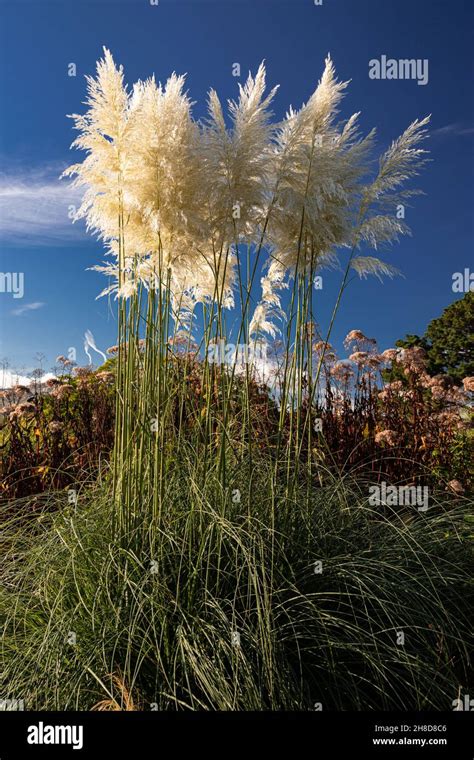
(342,371)
(55,427)
(468,384)
(456,487)
(388,437)
(361,358)
(390,354)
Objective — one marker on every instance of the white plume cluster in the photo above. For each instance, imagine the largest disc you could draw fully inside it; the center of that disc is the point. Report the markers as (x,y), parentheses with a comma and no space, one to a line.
(173,198)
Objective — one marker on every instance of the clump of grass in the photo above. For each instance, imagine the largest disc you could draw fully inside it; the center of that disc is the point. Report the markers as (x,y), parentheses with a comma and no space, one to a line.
(192,214)
(220,605)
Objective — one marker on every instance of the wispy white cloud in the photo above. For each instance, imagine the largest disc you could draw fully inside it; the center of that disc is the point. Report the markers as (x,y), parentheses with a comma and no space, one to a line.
(35,206)
(27,307)
(453,130)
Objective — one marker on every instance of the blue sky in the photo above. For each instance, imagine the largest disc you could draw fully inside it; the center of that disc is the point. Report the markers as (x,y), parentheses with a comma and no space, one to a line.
(204,38)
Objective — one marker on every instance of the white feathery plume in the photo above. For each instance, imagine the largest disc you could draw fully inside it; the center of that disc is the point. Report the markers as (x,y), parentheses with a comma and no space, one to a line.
(317,169)
(380,198)
(237,160)
(105,131)
(268,311)
(322,202)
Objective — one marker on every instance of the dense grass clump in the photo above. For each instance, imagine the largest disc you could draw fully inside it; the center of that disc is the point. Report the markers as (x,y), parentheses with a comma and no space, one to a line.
(222,604)
(226,564)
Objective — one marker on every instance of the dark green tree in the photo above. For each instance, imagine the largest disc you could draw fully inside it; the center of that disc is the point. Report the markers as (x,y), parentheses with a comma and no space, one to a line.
(448,342)
(451,338)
